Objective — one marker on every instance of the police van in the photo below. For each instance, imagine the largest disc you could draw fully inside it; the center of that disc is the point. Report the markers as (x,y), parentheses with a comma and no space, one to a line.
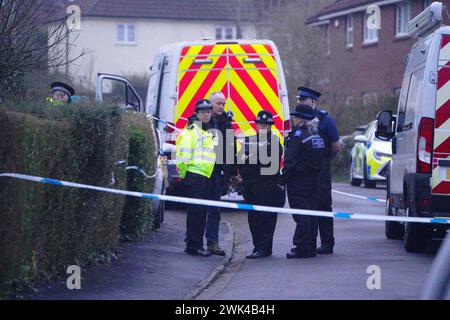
(418,177)
(248,72)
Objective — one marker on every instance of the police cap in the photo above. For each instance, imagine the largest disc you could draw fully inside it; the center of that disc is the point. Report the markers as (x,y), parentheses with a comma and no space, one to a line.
(303,111)
(304,92)
(203,104)
(61,86)
(264,117)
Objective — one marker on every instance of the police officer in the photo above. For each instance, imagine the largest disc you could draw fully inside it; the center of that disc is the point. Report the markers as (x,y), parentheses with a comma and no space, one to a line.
(195,162)
(328,131)
(61,93)
(259,165)
(303,157)
(219,124)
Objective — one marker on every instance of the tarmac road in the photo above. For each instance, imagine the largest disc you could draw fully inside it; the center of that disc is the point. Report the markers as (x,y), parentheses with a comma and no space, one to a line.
(343,275)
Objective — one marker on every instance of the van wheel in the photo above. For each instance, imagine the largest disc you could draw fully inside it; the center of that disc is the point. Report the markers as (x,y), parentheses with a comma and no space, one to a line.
(368,183)
(392,229)
(416,235)
(159,215)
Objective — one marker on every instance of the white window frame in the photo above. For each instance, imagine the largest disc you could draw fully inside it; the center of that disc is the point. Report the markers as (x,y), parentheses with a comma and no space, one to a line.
(126,39)
(370,36)
(327,39)
(402,17)
(349,31)
(370,98)
(223,32)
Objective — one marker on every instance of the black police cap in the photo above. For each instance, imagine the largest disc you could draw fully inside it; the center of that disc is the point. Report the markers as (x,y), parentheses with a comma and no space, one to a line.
(304,92)
(304,111)
(203,104)
(264,117)
(61,86)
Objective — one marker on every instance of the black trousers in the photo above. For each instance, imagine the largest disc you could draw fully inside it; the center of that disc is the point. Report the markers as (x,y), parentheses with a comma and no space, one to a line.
(326,225)
(263,192)
(197,187)
(302,194)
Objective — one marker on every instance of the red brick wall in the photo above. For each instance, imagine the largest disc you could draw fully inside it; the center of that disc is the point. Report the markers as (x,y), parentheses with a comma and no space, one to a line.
(367,68)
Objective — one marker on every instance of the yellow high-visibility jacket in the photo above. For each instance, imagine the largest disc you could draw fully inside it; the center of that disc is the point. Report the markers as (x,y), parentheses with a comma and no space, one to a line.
(195,151)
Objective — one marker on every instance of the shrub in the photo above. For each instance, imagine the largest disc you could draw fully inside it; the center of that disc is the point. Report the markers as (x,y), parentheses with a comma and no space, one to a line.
(137,217)
(46,228)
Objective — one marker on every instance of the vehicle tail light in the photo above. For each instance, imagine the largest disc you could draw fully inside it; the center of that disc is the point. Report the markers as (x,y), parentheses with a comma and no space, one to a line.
(425,145)
(286,127)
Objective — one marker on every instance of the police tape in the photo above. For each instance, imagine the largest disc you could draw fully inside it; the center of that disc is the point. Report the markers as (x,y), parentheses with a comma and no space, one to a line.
(230,205)
(359,197)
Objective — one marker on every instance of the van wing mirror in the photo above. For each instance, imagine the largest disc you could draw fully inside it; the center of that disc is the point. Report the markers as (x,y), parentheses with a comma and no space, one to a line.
(385,126)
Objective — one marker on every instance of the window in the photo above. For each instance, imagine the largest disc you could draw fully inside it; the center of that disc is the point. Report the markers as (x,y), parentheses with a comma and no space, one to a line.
(126,33)
(370,35)
(369,98)
(349,31)
(327,37)
(402,103)
(403,15)
(349,100)
(427,3)
(225,33)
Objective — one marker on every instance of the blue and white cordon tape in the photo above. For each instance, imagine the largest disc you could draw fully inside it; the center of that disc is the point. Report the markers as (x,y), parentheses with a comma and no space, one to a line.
(231,205)
(359,197)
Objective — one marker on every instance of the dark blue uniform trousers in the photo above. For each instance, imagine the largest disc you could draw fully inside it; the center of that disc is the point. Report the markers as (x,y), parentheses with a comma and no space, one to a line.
(198,186)
(303,194)
(213,213)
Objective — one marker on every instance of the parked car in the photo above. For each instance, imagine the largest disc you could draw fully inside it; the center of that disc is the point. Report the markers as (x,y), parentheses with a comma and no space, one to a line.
(370,156)
(418,177)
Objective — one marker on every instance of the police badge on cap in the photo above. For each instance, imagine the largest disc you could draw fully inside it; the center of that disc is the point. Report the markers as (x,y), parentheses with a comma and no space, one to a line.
(264,117)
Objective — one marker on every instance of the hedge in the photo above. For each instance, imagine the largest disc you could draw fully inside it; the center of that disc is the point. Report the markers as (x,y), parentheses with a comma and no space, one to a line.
(45,228)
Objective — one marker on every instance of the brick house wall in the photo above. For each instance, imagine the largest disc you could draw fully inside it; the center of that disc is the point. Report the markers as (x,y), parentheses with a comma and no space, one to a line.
(377,68)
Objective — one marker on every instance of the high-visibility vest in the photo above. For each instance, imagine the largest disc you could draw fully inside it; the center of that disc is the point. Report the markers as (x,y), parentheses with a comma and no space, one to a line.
(54,102)
(195,152)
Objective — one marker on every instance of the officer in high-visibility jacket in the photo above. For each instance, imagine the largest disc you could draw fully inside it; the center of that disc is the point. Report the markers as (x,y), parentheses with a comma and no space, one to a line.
(195,161)
(61,93)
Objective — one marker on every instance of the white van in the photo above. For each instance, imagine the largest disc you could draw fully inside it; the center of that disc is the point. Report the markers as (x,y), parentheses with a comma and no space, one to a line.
(248,72)
(418,177)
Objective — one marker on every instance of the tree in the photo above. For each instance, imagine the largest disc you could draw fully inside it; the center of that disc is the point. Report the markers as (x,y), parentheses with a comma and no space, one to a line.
(32,35)
(301,47)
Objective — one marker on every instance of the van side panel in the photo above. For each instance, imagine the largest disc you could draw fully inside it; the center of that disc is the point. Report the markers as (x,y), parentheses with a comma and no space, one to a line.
(247,74)
(441,172)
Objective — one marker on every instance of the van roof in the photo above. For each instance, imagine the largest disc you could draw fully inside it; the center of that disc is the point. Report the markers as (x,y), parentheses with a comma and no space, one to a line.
(213,42)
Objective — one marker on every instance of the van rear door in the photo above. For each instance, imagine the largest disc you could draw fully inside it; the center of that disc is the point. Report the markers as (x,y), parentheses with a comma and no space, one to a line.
(441,152)
(247,74)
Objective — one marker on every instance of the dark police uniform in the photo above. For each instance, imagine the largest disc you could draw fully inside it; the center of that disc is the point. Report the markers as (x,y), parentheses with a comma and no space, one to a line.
(220,177)
(261,188)
(302,164)
(328,131)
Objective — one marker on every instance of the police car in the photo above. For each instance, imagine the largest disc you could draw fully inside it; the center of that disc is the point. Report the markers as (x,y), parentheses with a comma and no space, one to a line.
(370,156)
(418,177)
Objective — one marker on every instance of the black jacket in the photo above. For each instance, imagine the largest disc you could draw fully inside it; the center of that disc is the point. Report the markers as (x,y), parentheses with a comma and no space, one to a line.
(222,123)
(304,154)
(250,164)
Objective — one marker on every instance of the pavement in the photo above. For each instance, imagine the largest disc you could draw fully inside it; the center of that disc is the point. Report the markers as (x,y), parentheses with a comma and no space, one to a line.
(154,268)
(360,245)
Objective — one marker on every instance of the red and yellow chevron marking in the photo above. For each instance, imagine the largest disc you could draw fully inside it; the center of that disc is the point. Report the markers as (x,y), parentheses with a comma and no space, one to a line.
(441,175)
(248,87)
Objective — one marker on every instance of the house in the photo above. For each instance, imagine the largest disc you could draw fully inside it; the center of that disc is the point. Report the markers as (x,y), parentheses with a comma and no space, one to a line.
(369,62)
(122,36)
